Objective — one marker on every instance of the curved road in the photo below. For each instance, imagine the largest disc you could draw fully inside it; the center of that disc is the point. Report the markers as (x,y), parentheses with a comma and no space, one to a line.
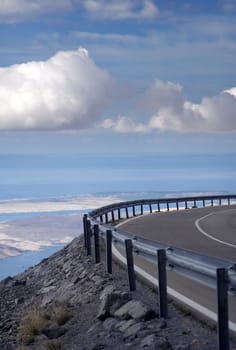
(210,231)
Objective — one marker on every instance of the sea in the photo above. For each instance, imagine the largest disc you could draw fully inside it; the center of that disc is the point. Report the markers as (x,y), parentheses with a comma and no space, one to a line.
(66,184)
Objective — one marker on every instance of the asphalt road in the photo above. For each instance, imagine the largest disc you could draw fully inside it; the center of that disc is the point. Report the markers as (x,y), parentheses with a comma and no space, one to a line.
(210,231)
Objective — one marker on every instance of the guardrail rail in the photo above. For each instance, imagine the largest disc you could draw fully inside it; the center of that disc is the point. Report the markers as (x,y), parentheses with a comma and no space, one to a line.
(213,272)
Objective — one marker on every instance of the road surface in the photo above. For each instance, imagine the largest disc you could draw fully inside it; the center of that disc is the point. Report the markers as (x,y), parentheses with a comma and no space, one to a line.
(210,231)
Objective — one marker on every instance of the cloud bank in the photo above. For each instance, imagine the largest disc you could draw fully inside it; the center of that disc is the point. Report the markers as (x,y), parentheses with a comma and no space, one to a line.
(121,9)
(67,91)
(174,112)
(169,110)
(18,10)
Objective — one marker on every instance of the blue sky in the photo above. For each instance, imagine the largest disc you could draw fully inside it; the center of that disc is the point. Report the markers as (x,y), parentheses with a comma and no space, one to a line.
(117,76)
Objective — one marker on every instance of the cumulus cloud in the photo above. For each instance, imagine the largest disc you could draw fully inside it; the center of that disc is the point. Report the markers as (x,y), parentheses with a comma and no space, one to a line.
(171,111)
(121,9)
(17,10)
(123,125)
(174,112)
(66,91)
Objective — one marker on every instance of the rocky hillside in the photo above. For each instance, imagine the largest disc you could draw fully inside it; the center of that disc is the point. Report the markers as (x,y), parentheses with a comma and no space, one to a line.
(68,302)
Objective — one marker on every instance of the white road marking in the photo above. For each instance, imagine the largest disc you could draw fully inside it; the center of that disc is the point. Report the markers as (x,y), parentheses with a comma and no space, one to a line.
(207,234)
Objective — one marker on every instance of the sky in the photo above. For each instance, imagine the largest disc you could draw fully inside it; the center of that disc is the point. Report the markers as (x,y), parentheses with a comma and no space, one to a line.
(117,76)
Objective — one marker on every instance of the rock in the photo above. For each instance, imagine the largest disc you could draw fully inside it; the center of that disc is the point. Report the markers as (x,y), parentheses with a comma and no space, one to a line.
(148,342)
(152,342)
(182,347)
(123,325)
(98,347)
(132,332)
(54,333)
(111,300)
(45,290)
(135,309)
(109,323)
(162,343)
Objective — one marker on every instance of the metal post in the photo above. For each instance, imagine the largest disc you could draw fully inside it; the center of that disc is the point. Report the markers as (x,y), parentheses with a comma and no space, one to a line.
(101,218)
(133,210)
(163,302)
(228,201)
(85,229)
(177,205)
(186,205)
(130,264)
(141,209)
(203,203)
(222,304)
(119,214)
(212,202)
(150,208)
(96,244)
(106,218)
(220,202)
(167,206)
(109,251)
(112,216)
(88,241)
(158,206)
(127,213)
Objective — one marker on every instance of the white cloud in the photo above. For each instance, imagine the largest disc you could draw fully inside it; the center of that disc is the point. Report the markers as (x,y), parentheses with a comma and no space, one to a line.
(66,91)
(124,125)
(171,111)
(17,10)
(121,9)
(174,112)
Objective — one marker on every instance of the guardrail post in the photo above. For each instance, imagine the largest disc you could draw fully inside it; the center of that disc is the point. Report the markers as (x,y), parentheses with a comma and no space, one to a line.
(222,304)
(85,229)
(133,208)
(112,216)
(158,206)
(141,208)
(109,251)
(101,218)
(167,206)
(127,213)
(96,244)
(186,205)
(150,208)
(106,218)
(130,264)
(88,236)
(119,214)
(177,205)
(203,203)
(163,302)
(228,201)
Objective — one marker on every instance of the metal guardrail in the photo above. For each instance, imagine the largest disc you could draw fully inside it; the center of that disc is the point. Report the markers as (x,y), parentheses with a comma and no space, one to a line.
(206,270)
(196,266)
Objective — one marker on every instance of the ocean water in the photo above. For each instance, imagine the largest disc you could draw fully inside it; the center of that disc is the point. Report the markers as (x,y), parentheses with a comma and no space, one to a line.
(33,185)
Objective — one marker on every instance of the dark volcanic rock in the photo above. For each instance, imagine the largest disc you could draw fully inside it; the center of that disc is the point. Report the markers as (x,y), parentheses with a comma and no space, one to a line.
(80,306)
